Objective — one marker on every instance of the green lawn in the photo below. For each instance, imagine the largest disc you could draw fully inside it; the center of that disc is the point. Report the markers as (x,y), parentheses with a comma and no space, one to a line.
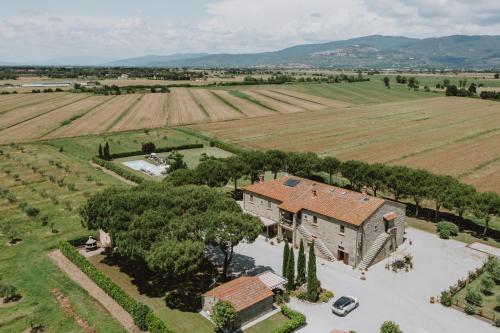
(489,301)
(85,147)
(26,265)
(269,324)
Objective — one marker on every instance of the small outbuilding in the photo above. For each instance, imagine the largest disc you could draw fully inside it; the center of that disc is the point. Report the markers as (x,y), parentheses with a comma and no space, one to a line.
(91,244)
(248,294)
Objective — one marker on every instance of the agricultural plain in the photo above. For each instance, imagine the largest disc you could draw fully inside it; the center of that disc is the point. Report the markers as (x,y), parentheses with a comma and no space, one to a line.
(455,136)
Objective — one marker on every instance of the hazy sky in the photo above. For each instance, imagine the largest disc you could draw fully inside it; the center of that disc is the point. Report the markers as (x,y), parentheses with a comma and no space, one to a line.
(114,29)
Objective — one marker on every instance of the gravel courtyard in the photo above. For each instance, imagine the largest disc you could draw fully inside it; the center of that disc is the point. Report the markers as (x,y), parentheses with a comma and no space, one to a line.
(385,295)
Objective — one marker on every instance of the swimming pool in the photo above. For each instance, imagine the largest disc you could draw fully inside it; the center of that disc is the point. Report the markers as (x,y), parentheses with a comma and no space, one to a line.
(148,168)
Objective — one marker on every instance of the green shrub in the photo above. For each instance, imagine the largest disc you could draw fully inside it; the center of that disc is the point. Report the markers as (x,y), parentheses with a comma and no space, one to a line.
(493,268)
(473,297)
(497,322)
(445,298)
(325,296)
(154,324)
(487,285)
(390,327)
(470,309)
(223,315)
(31,211)
(296,320)
(446,229)
(140,313)
(8,292)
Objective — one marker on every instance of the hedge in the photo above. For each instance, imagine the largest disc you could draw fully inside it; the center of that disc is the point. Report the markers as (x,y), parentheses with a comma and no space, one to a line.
(143,315)
(226,146)
(120,171)
(296,321)
(158,150)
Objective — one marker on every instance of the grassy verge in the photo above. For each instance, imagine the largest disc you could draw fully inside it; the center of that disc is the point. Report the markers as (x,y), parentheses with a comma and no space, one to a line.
(269,324)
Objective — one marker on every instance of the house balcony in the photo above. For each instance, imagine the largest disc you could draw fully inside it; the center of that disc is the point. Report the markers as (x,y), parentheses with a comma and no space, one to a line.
(286,223)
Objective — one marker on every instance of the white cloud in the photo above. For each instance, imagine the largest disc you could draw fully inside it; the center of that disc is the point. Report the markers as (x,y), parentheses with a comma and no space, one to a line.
(240,26)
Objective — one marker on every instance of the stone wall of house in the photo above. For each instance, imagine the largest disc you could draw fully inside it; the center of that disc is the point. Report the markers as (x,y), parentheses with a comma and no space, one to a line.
(254,311)
(261,206)
(328,230)
(208,303)
(374,226)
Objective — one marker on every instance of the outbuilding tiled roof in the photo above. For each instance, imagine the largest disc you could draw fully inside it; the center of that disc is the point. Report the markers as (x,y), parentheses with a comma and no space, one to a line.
(338,203)
(242,292)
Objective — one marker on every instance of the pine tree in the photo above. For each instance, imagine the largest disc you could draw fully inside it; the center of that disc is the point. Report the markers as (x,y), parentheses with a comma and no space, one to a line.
(100,151)
(301,265)
(312,280)
(290,275)
(286,251)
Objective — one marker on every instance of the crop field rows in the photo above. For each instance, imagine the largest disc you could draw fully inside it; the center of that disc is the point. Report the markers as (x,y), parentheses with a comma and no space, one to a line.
(47,116)
(424,134)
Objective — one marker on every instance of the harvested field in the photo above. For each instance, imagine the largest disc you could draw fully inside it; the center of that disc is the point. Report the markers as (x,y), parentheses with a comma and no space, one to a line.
(19,115)
(273,103)
(148,113)
(248,108)
(216,109)
(12,102)
(302,103)
(40,126)
(183,109)
(312,98)
(98,120)
(444,135)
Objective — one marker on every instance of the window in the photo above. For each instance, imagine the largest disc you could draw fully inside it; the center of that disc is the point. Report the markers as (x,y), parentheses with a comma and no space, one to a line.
(251,198)
(375,228)
(315,220)
(269,205)
(342,229)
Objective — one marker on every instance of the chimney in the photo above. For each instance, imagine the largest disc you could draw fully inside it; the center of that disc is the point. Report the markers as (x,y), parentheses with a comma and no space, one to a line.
(261,178)
(364,190)
(314,192)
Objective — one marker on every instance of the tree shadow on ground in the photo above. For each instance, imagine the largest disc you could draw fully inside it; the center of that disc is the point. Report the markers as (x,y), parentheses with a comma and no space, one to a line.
(240,265)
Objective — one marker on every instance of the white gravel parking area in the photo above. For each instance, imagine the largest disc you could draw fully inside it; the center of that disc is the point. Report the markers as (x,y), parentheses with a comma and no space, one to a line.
(385,295)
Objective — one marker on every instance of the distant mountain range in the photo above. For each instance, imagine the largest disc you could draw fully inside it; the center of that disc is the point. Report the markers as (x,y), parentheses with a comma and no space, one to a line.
(456,52)
(380,52)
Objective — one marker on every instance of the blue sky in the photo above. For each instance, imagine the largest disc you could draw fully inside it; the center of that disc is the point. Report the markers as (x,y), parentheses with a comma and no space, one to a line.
(34,31)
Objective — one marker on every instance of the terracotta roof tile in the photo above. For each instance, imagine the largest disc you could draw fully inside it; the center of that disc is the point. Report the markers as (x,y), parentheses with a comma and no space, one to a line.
(242,292)
(390,216)
(338,203)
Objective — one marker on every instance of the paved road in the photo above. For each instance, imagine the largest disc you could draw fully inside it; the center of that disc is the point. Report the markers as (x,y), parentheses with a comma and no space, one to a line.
(94,290)
(385,295)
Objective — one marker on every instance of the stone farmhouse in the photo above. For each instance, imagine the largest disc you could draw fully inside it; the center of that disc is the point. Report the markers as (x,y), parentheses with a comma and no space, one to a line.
(344,225)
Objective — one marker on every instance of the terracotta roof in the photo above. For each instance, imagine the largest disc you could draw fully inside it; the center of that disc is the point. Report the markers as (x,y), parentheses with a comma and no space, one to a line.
(338,203)
(241,292)
(390,216)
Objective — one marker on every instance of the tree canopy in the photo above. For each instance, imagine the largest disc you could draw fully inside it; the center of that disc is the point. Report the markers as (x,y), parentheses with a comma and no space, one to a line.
(169,227)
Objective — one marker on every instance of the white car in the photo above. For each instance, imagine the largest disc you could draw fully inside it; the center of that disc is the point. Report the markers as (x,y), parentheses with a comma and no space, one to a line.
(344,305)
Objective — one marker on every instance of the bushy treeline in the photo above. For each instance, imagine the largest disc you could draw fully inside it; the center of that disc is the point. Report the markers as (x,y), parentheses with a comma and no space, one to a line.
(295,321)
(403,183)
(143,316)
(116,90)
(330,78)
(489,94)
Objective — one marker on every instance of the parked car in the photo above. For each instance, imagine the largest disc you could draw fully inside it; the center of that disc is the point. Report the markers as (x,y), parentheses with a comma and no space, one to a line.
(344,305)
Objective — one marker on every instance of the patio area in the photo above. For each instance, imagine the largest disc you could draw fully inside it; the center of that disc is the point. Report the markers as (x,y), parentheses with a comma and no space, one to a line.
(385,295)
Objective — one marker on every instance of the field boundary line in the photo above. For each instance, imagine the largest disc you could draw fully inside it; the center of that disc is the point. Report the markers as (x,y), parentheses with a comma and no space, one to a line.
(478,167)
(242,95)
(200,105)
(165,108)
(31,104)
(96,292)
(228,103)
(459,140)
(259,92)
(79,116)
(44,113)
(301,98)
(124,113)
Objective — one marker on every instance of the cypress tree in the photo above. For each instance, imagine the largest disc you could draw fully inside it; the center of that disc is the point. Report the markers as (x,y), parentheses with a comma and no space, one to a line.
(107,157)
(301,265)
(312,280)
(285,259)
(290,270)
(100,151)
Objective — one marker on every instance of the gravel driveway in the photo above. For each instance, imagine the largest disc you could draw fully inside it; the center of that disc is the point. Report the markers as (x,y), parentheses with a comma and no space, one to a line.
(385,295)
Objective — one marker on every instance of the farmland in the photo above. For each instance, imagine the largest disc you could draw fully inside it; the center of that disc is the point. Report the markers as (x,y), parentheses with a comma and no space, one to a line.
(455,136)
